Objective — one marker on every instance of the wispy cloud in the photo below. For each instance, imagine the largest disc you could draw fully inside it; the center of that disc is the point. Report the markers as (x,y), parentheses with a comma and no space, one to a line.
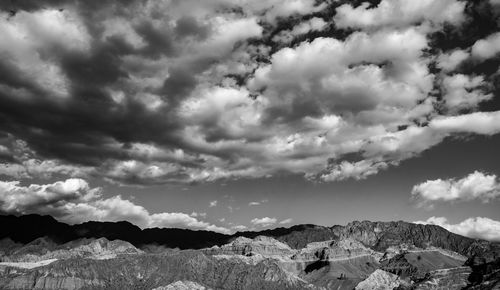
(252,203)
(286,221)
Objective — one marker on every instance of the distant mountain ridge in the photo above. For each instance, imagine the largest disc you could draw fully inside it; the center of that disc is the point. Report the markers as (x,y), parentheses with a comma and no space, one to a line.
(376,235)
(26,228)
(40,250)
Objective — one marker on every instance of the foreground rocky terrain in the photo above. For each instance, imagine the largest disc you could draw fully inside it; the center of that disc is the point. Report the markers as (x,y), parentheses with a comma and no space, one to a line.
(361,255)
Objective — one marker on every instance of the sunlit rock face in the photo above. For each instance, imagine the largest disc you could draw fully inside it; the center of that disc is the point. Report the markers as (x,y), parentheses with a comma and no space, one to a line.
(183,285)
(380,280)
(43,249)
(333,250)
(261,245)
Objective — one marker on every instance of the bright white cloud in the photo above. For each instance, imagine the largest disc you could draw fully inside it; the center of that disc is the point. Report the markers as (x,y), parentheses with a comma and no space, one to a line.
(486,123)
(487,48)
(28,36)
(276,9)
(356,170)
(264,222)
(477,227)
(399,13)
(476,185)
(313,24)
(450,61)
(463,92)
(74,201)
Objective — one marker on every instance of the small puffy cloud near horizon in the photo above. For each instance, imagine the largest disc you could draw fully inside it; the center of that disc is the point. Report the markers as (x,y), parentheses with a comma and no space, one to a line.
(264,222)
(473,227)
(475,186)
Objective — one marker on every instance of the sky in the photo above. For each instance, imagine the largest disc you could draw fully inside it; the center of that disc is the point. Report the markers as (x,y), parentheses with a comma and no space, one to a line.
(245,115)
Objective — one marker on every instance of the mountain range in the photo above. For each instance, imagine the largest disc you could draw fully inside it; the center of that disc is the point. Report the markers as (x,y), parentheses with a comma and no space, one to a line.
(38,252)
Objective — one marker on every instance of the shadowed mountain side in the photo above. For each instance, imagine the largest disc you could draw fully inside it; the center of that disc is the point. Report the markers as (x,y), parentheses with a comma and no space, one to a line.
(24,229)
(376,235)
(297,237)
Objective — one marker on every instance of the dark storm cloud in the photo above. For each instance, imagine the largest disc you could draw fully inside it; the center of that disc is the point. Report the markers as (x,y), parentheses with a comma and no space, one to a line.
(155,92)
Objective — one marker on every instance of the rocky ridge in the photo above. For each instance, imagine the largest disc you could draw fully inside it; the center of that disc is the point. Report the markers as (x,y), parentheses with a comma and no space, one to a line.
(361,253)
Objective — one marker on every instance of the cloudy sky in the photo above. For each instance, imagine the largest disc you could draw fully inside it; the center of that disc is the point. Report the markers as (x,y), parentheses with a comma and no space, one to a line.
(230,115)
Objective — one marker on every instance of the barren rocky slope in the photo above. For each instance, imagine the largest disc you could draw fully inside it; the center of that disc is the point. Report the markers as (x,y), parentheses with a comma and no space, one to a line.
(362,255)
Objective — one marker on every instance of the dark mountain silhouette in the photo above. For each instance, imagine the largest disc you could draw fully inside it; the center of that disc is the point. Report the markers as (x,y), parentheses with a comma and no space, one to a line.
(26,228)
(376,235)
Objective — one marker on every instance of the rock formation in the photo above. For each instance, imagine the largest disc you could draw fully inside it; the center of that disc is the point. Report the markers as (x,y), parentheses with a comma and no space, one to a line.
(361,255)
(380,280)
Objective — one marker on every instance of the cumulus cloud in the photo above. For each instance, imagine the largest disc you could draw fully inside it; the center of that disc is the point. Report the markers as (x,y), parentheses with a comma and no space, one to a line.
(476,185)
(487,48)
(74,201)
(473,227)
(451,60)
(313,24)
(264,222)
(399,13)
(195,91)
(486,123)
(463,92)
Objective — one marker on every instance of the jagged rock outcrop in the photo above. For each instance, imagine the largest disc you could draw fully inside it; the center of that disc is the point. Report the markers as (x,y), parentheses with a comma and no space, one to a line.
(380,280)
(484,276)
(333,250)
(450,279)
(43,249)
(400,266)
(297,237)
(260,245)
(148,271)
(382,235)
(183,285)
